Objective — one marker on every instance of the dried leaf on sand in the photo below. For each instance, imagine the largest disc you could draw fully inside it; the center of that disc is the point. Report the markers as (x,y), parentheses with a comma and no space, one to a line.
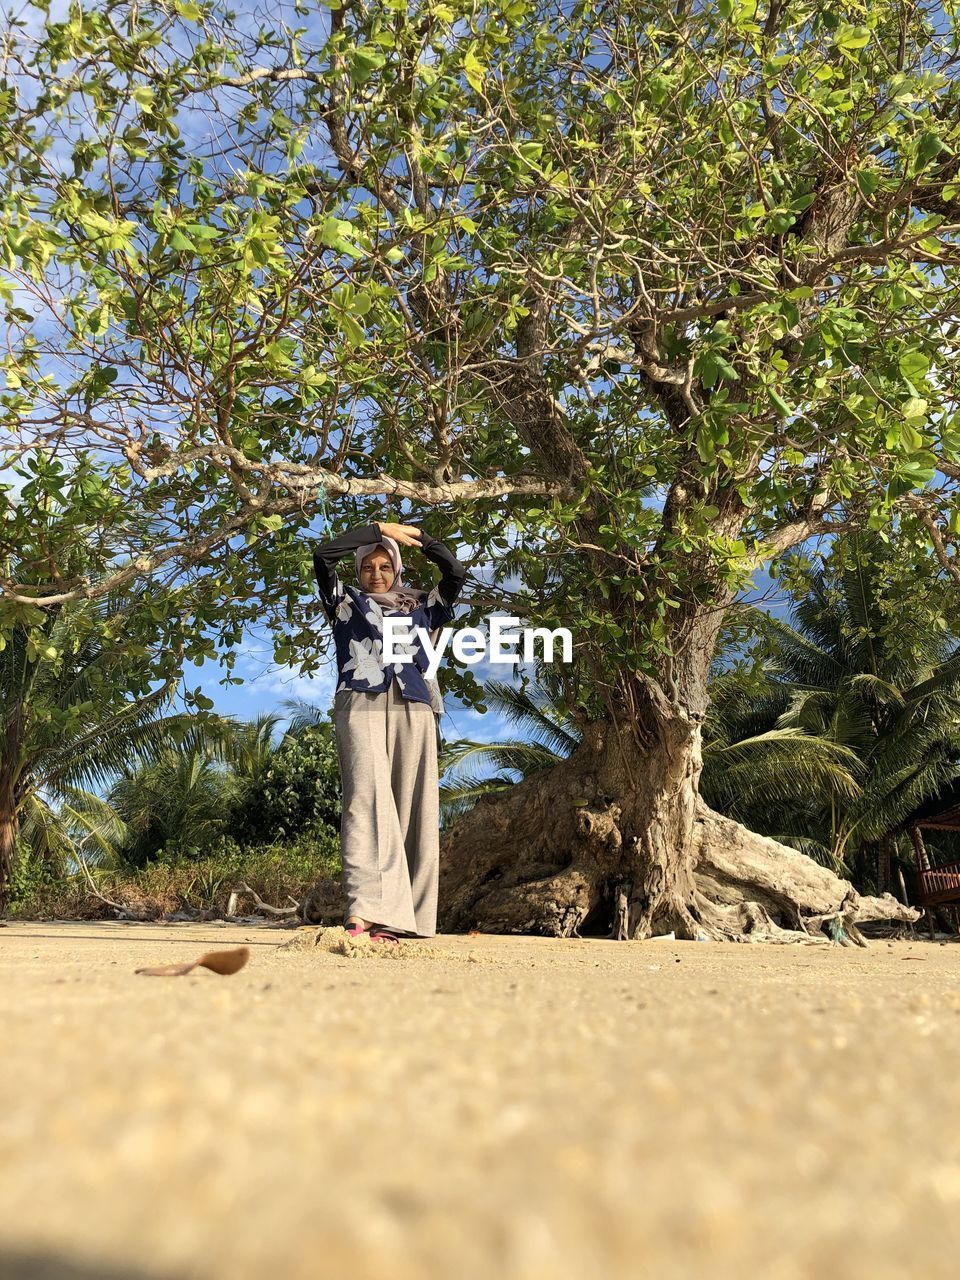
(224,962)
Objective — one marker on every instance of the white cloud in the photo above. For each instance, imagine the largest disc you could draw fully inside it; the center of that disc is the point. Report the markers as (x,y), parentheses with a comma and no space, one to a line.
(263,676)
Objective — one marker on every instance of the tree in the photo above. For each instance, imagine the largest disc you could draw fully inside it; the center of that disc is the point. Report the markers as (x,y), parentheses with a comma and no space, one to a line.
(179,805)
(869,668)
(224,779)
(525,265)
(76,706)
(297,791)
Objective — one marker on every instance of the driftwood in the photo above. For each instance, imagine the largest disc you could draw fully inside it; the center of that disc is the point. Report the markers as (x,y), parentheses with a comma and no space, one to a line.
(123,910)
(259,903)
(323,903)
(772,889)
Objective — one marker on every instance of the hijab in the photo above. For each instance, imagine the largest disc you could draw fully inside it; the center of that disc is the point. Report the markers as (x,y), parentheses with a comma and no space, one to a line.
(400,596)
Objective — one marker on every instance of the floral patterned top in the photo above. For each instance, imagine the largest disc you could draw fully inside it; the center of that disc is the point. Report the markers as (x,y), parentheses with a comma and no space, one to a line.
(357,620)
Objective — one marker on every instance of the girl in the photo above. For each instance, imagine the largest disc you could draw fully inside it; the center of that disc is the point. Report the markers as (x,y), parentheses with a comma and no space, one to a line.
(386,723)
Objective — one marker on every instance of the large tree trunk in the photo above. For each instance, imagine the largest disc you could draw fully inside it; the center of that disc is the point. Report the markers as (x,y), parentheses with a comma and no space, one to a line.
(550,854)
(543,856)
(554,852)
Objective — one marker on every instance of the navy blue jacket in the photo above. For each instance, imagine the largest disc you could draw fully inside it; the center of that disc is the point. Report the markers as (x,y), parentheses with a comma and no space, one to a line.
(357,620)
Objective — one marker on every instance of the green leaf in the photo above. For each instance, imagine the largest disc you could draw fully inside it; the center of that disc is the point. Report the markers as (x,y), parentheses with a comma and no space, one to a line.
(725,368)
(912,440)
(353,331)
(364,62)
(849,37)
(867,181)
(779,403)
(473,69)
(930,145)
(914,365)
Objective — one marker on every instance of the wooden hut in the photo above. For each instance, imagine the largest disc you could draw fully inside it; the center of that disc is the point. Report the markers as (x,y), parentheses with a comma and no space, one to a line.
(936,885)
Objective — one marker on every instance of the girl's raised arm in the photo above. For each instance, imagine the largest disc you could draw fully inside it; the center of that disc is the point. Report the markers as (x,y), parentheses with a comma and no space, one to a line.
(453,575)
(325,557)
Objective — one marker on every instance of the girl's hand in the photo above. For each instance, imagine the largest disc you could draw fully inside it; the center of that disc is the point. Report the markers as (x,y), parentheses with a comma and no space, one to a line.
(408,535)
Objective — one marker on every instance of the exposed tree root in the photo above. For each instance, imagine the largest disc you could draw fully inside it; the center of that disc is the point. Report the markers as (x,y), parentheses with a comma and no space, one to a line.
(775,889)
(503,871)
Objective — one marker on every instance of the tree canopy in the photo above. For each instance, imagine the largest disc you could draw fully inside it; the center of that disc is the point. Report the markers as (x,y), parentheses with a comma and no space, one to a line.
(639,298)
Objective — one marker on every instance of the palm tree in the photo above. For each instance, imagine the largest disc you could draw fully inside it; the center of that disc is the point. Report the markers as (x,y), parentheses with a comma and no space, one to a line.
(247,746)
(306,715)
(772,776)
(181,801)
(185,797)
(867,666)
(551,735)
(71,717)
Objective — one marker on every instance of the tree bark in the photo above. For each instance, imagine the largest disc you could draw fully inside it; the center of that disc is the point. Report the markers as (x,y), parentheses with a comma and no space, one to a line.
(549,854)
(8,835)
(554,852)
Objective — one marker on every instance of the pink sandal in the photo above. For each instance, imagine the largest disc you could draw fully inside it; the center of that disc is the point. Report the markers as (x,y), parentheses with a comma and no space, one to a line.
(383,935)
(354,930)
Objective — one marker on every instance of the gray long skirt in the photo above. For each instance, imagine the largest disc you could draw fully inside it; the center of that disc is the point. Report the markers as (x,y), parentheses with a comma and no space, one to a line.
(390,828)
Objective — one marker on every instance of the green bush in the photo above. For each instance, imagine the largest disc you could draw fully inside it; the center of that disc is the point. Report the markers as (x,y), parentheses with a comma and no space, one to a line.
(298,795)
(32,876)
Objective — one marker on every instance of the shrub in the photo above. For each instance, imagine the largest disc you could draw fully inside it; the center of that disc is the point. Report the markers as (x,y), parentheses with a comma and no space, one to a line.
(298,795)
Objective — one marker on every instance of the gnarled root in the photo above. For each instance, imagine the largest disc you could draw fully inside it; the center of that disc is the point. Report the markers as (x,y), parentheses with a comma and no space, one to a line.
(738,871)
(554,905)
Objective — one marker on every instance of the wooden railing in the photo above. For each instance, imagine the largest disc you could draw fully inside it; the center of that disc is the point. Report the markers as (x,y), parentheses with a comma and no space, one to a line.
(940,884)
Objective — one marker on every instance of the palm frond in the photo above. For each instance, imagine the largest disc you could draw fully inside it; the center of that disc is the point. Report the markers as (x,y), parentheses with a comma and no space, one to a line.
(531,709)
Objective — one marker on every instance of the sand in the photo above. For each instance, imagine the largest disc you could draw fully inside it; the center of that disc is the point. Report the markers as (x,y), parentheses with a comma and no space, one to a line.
(482,1106)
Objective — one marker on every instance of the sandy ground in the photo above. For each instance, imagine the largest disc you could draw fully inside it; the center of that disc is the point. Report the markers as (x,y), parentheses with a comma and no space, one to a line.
(515,1108)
